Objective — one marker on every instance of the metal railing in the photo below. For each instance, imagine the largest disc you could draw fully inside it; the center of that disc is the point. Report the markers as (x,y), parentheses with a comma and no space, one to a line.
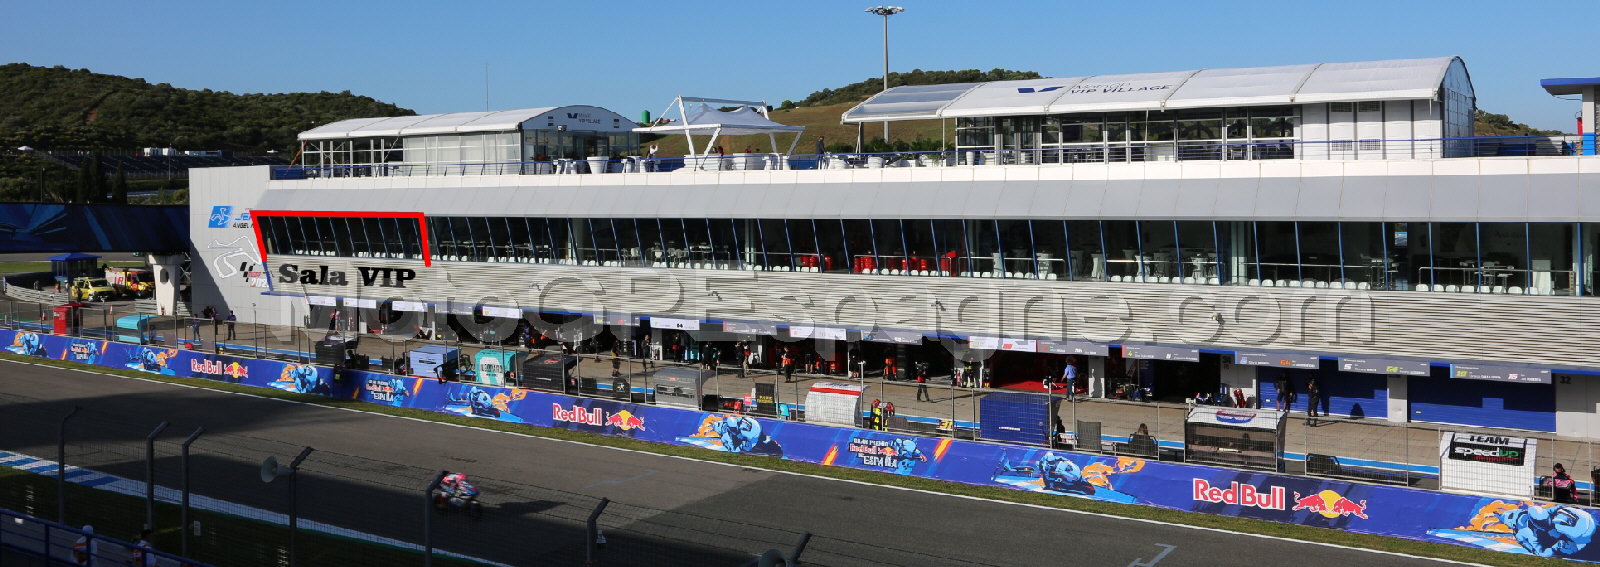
(1129,152)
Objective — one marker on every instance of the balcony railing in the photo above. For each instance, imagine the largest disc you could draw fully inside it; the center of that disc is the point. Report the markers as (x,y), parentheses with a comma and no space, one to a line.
(1552,145)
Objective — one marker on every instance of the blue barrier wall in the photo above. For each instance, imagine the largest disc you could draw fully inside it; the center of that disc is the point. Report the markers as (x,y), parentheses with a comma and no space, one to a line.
(1513,526)
(54,227)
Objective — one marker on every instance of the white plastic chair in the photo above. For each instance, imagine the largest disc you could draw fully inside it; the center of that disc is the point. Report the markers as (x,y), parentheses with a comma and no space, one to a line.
(1452,288)
(1283,283)
(1514,290)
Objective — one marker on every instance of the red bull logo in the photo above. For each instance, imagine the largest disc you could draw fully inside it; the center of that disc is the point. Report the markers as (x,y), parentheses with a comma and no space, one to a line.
(236,371)
(1330,505)
(578,415)
(199,366)
(625,420)
(1272,498)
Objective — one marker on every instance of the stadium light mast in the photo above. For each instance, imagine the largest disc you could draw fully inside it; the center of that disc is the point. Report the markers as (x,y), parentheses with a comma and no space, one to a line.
(885,11)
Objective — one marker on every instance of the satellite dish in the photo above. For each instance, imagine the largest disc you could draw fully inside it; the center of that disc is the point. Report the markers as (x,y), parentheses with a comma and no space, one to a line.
(270,469)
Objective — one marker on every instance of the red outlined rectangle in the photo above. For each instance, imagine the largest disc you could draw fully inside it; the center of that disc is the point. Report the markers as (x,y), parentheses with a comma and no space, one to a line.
(422,224)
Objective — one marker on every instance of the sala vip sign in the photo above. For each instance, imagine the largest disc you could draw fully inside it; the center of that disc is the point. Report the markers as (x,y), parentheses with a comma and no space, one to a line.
(321,275)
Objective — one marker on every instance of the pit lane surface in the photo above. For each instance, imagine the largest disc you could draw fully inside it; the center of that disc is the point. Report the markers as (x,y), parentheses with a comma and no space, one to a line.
(369,470)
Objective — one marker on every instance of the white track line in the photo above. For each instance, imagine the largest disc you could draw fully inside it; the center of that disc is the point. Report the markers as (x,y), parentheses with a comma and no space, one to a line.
(808,475)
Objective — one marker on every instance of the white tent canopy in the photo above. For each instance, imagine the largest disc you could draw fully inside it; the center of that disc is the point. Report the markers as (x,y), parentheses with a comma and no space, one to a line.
(697,117)
(1401,79)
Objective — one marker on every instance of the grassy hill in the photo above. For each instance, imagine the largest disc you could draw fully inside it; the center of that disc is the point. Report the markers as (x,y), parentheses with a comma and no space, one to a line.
(56,108)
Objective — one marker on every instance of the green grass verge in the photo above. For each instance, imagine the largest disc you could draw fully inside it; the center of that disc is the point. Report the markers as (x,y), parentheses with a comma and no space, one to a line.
(223,540)
(1291,531)
(29,267)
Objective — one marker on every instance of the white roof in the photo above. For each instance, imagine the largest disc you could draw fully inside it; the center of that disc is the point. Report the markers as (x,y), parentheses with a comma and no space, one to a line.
(451,123)
(1403,79)
(704,120)
(1244,86)
(1375,80)
(913,102)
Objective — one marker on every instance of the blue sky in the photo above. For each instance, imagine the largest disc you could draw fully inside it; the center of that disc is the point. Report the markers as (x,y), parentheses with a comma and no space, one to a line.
(631,56)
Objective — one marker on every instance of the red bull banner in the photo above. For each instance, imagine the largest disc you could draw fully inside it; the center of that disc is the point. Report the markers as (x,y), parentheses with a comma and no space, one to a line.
(1510,525)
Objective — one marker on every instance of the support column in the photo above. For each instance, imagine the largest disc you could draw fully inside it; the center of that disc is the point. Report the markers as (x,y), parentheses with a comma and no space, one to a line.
(1399,410)
(168,272)
(1096,369)
(1589,120)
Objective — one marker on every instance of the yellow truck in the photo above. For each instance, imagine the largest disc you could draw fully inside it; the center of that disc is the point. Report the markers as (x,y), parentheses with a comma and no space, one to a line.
(92,289)
(132,282)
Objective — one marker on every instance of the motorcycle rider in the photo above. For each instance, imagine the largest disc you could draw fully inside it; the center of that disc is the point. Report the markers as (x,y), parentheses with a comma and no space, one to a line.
(452,485)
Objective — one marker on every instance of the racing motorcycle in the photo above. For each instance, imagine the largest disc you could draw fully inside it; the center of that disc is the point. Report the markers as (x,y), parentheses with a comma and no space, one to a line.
(463,498)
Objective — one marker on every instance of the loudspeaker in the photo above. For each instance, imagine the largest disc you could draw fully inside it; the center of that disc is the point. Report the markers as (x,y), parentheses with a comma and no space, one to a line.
(270,469)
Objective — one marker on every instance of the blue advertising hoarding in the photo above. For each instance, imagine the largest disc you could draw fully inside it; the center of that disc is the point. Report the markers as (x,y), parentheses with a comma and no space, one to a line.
(1515,526)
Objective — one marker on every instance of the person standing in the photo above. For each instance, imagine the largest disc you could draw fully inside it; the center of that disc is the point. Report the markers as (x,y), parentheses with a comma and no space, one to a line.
(232,319)
(1282,385)
(141,555)
(1069,375)
(742,350)
(652,351)
(85,549)
(1314,398)
(922,383)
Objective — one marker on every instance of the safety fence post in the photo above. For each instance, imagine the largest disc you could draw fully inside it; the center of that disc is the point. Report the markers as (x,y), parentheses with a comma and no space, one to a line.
(427,519)
(593,537)
(61,467)
(184,506)
(150,476)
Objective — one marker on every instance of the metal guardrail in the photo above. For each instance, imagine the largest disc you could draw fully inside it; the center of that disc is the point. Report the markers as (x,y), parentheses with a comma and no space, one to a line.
(33,296)
(1125,152)
(24,536)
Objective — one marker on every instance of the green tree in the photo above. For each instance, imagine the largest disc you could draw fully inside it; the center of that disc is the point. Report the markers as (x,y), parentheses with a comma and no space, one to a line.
(83,186)
(119,188)
(97,180)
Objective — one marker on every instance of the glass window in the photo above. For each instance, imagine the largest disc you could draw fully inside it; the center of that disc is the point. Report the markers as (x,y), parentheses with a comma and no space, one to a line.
(1276,247)
(1210,129)
(628,242)
(1087,260)
(1455,256)
(1553,264)
(1050,248)
(983,239)
(1197,242)
(775,243)
(890,250)
(562,245)
(1319,252)
(923,253)
(1123,257)
(1016,249)
(698,236)
(365,242)
(1364,259)
(950,237)
(831,243)
(652,252)
(1505,255)
(859,245)
(1159,240)
(725,243)
(605,241)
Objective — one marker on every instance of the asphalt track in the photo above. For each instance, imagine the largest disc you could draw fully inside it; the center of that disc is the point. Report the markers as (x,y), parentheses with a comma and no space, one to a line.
(369,469)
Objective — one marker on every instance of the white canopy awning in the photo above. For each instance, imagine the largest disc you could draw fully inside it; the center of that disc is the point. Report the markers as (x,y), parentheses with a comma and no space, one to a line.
(704,120)
(915,102)
(1400,79)
(1249,86)
(450,123)
(1009,98)
(1403,79)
